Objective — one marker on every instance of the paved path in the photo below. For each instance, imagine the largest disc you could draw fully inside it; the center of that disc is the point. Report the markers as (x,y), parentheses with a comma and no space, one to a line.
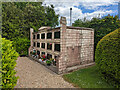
(34,75)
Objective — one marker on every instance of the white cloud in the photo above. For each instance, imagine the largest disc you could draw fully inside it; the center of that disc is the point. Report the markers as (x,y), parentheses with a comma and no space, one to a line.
(63,8)
(96,14)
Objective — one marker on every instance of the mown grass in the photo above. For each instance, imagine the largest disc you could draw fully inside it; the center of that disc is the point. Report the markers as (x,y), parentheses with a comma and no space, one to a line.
(87,78)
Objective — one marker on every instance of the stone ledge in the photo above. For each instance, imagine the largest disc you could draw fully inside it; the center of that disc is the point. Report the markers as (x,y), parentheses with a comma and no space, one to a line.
(70,69)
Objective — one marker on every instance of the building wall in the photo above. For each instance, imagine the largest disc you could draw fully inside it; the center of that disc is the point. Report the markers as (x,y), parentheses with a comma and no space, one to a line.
(73,45)
(62,59)
(87,46)
(79,44)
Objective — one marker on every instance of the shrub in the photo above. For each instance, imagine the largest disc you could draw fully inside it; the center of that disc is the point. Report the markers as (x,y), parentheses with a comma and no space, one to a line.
(21,45)
(9,57)
(107,57)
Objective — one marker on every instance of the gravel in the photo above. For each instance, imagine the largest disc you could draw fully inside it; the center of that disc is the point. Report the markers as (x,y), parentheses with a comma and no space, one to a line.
(34,75)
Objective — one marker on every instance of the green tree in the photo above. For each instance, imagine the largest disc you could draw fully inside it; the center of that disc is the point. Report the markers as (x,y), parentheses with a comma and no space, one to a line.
(104,26)
(19,17)
(51,16)
(11,21)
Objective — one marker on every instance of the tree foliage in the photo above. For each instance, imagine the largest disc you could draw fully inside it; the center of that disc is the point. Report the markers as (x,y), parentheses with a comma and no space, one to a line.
(19,17)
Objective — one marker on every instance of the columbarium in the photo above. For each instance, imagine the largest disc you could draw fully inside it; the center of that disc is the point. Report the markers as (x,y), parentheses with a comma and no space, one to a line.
(66,47)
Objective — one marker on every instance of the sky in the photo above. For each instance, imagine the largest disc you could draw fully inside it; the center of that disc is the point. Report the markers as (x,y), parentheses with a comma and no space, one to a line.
(83,8)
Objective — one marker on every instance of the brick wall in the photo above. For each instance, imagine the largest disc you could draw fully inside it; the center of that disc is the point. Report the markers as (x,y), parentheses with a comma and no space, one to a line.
(62,58)
(87,46)
(77,46)
(73,45)
(80,46)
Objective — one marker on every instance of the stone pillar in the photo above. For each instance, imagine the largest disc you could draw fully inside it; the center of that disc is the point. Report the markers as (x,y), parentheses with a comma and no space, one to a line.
(53,56)
(45,53)
(53,45)
(31,36)
(31,40)
(40,45)
(62,59)
(52,35)
(45,45)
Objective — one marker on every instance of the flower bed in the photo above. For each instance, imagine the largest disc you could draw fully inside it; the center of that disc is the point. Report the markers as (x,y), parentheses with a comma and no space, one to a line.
(43,58)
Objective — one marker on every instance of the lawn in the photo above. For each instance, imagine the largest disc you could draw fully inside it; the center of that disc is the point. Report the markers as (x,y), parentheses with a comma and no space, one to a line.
(86,78)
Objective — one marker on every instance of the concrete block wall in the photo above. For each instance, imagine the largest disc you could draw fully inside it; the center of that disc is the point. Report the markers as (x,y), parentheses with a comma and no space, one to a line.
(73,45)
(87,46)
(62,58)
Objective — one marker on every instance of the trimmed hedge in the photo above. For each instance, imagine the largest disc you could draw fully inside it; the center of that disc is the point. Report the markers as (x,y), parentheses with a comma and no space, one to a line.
(107,57)
(9,57)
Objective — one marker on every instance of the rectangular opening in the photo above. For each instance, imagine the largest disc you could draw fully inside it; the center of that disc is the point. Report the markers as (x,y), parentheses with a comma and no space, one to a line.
(57,47)
(34,44)
(38,52)
(55,57)
(33,36)
(38,36)
(57,35)
(49,35)
(43,36)
(43,53)
(43,45)
(38,44)
(49,56)
(49,46)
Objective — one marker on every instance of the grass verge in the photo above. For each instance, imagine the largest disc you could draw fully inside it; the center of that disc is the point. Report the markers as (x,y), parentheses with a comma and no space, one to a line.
(86,78)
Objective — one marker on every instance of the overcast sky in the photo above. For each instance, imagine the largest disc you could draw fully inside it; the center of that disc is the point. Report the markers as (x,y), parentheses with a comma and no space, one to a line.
(84,8)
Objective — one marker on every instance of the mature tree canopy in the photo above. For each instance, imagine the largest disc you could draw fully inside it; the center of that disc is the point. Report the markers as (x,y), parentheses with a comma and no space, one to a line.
(19,17)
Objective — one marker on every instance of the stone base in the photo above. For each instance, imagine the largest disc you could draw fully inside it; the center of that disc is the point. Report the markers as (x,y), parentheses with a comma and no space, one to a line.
(70,69)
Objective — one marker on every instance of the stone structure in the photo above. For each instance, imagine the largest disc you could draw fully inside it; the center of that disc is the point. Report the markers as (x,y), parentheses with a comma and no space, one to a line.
(71,46)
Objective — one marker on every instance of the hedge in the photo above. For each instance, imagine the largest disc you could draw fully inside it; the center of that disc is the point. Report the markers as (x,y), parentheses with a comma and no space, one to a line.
(9,57)
(107,57)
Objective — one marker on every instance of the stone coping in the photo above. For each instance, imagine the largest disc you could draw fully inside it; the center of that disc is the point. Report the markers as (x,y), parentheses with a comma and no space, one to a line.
(68,27)
(73,68)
